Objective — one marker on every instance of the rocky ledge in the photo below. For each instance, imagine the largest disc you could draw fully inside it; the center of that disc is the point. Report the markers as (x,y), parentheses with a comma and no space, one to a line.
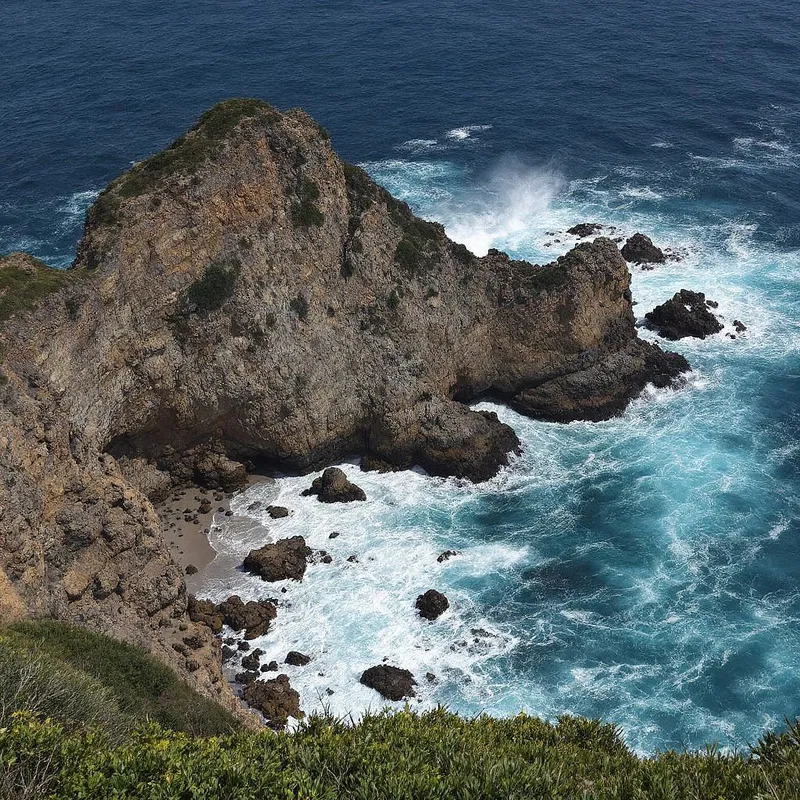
(246,296)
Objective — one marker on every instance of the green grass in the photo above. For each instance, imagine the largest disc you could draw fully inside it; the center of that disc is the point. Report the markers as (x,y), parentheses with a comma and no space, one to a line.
(389,756)
(24,284)
(81,677)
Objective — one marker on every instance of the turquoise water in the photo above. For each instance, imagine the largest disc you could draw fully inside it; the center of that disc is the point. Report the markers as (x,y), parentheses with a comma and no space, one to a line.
(643,569)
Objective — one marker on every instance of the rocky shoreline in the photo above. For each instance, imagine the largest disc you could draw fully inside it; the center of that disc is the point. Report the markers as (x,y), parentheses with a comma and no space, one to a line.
(246,300)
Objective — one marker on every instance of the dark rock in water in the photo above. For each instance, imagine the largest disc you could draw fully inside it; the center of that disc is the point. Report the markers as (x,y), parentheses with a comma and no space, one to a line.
(685,314)
(740,326)
(432,604)
(447,555)
(277,512)
(353,559)
(334,487)
(713,304)
(585,229)
(227,653)
(640,249)
(430,677)
(253,506)
(245,677)
(603,389)
(271,667)
(252,617)
(252,660)
(392,683)
(244,646)
(297,659)
(275,699)
(284,560)
(334,535)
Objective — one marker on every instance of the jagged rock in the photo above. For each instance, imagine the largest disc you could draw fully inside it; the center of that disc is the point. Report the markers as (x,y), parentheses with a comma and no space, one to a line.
(432,604)
(191,569)
(685,314)
(205,612)
(227,652)
(585,229)
(253,617)
(272,666)
(252,660)
(640,249)
(296,659)
(277,512)
(275,699)
(284,560)
(247,676)
(392,683)
(334,487)
(446,555)
(740,326)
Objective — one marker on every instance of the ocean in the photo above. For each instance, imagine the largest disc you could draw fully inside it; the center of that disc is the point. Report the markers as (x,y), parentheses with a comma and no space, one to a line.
(643,570)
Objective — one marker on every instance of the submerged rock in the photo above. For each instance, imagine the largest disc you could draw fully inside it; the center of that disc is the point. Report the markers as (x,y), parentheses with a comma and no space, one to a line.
(685,314)
(286,559)
(275,699)
(432,604)
(277,512)
(640,249)
(334,487)
(392,683)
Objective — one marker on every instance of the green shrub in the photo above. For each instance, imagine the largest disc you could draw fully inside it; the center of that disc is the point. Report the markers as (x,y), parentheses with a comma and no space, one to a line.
(388,756)
(393,300)
(418,249)
(25,281)
(214,287)
(305,212)
(106,677)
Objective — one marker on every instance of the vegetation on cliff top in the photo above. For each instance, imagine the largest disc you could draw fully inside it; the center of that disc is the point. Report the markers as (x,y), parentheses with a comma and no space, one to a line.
(436,755)
(81,678)
(184,156)
(25,282)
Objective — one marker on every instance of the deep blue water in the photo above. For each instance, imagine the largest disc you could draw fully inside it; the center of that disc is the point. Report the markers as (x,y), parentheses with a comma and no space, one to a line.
(644,569)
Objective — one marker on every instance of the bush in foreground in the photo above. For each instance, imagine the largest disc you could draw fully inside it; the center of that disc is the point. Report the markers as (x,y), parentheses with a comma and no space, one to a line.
(401,755)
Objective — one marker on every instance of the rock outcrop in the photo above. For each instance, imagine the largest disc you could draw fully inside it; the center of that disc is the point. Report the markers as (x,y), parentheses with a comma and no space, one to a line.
(247,296)
(640,249)
(275,699)
(432,604)
(284,560)
(584,229)
(334,487)
(392,683)
(686,313)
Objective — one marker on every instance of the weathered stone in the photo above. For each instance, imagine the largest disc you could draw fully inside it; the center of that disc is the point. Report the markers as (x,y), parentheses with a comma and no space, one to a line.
(392,683)
(296,659)
(286,559)
(334,487)
(275,699)
(640,250)
(685,314)
(432,604)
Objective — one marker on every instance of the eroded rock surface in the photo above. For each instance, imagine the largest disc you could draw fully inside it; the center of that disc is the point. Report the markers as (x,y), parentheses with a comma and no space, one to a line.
(334,487)
(286,559)
(640,249)
(432,604)
(275,699)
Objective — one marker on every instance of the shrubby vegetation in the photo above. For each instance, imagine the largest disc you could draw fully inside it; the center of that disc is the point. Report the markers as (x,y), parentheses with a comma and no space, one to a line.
(210,291)
(70,674)
(305,212)
(25,284)
(77,715)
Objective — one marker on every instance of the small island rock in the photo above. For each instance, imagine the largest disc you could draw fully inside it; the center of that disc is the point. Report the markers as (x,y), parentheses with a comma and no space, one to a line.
(334,487)
(685,314)
(392,683)
(284,560)
(640,249)
(432,604)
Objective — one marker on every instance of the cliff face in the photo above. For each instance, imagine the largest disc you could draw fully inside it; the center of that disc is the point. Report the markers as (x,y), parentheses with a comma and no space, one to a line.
(246,294)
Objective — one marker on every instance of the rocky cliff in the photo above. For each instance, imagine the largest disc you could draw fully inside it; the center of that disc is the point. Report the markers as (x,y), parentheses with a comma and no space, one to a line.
(247,295)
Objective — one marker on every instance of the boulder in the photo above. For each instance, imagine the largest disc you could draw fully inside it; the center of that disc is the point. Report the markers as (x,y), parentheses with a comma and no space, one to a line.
(585,229)
(216,470)
(296,659)
(277,512)
(640,249)
(275,699)
(284,560)
(740,326)
(446,555)
(685,314)
(252,617)
(205,612)
(334,487)
(432,604)
(392,683)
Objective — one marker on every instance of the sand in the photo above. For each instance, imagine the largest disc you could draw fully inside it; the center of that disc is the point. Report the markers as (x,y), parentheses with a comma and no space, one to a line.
(186,528)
